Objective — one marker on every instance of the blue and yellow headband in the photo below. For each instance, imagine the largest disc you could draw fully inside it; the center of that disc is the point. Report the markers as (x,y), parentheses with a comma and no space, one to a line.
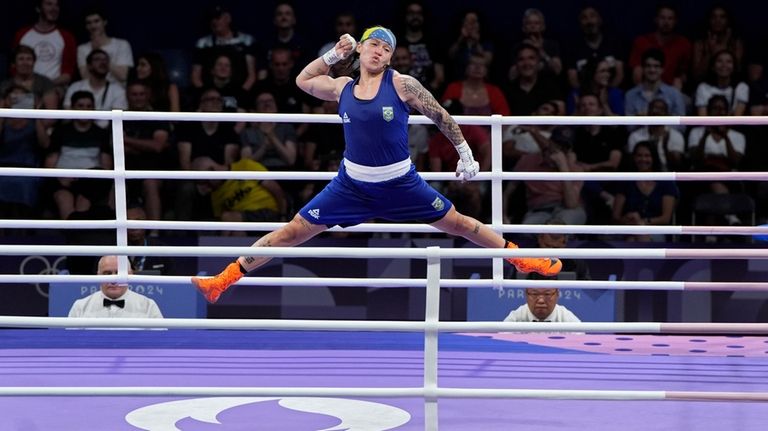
(381,33)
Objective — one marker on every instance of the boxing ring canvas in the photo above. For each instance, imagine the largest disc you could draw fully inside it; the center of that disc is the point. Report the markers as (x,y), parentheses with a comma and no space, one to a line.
(223,358)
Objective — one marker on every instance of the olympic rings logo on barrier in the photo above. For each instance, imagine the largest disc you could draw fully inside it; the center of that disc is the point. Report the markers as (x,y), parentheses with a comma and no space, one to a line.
(27,266)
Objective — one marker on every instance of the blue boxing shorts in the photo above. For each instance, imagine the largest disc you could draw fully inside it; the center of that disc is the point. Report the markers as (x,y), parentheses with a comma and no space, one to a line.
(348,202)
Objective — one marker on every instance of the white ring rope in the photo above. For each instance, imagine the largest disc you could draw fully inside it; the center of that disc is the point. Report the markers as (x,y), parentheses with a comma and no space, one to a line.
(392,392)
(387,227)
(414,119)
(400,282)
(383,325)
(388,252)
(429,176)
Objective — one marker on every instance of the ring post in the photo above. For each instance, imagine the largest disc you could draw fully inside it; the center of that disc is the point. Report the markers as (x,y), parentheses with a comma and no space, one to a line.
(432,317)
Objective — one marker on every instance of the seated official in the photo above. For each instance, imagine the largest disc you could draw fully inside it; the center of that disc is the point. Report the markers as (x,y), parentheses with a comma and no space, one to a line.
(114,300)
(541,306)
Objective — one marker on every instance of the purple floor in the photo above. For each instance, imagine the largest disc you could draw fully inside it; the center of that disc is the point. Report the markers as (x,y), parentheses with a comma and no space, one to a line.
(255,359)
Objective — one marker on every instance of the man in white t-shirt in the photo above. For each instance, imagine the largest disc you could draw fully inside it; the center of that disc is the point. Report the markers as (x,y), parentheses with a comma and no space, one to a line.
(119,50)
(54,47)
(107,95)
(114,300)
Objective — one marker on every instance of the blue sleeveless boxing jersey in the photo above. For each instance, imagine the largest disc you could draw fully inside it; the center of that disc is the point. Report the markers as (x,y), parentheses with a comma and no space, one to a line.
(376,130)
(376,134)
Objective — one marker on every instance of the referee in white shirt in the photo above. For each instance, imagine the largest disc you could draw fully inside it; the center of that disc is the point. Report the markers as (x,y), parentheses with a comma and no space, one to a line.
(114,300)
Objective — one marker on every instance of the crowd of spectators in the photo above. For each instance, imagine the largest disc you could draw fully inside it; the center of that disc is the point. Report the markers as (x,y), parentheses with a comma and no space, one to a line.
(663,73)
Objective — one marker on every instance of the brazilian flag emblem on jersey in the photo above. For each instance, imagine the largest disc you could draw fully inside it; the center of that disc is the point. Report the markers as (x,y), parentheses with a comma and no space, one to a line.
(388,113)
(438,204)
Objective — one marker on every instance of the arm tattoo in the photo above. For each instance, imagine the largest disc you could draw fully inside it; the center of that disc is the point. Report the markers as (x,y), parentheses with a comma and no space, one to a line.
(305,224)
(264,241)
(317,72)
(477,228)
(428,106)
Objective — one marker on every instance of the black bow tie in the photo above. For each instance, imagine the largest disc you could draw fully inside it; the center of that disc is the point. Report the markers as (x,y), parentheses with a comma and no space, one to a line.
(120,302)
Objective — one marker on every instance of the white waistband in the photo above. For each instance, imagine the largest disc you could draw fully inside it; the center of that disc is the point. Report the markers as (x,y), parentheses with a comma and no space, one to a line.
(377,174)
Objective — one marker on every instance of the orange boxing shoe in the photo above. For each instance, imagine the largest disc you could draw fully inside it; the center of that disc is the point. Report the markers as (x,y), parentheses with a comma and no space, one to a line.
(547,266)
(213,287)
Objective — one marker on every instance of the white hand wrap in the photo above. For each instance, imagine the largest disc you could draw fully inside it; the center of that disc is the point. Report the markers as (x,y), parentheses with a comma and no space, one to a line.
(354,45)
(467,167)
(332,57)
